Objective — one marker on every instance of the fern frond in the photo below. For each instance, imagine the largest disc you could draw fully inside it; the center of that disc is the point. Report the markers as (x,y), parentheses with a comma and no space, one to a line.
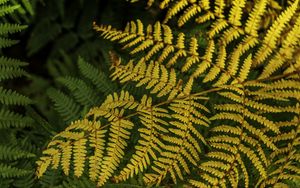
(13,153)
(232,142)
(4,42)
(73,142)
(10,119)
(157,42)
(6,28)
(124,100)
(220,65)
(235,13)
(7,9)
(97,142)
(244,72)
(177,7)
(217,27)
(67,107)
(97,77)
(253,21)
(188,14)
(207,59)
(116,146)
(155,76)
(269,41)
(11,72)
(9,97)
(219,8)
(285,53)
(7,171)
(283,162)
(43,33)
(182,147)
(79,149)
(65,145)
(150,143)
(82,92)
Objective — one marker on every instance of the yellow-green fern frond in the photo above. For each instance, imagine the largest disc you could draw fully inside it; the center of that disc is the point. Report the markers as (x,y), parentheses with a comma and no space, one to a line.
(191,8)
(185,10)
(286,53)
(244,72)
(219,8)
(217,27)
(236,11)
(273,34)
(207,59)
(220,65)
(80,151)
(294,68)
(188,14)
(205,18)
(116,145)
(112,102)
(283,162)
(182,146)
(253,21)
(150,142)
(69,143)
(155,76)
(236,139)
(231,34)
(97,143)
(80,134)
(156,44)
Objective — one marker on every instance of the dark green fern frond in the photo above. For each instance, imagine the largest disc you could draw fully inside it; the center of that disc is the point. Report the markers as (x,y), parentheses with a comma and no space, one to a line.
(40,38)
(6,28)
(82,92)
(97,77)
(25,12)
(67,107)
(14,160)
(13,153)
(11,68)
(7,9)
(10,119)
(9,97)
(10,172)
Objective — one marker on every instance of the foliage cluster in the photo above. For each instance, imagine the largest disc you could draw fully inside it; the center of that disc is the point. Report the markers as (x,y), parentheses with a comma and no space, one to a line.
(132,93)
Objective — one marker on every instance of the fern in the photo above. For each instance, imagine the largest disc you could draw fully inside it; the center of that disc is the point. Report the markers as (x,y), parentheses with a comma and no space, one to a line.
(11,172)
(11,119)
(97,77)
(285,158)
(84,92)
(223,114)
(66,106)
